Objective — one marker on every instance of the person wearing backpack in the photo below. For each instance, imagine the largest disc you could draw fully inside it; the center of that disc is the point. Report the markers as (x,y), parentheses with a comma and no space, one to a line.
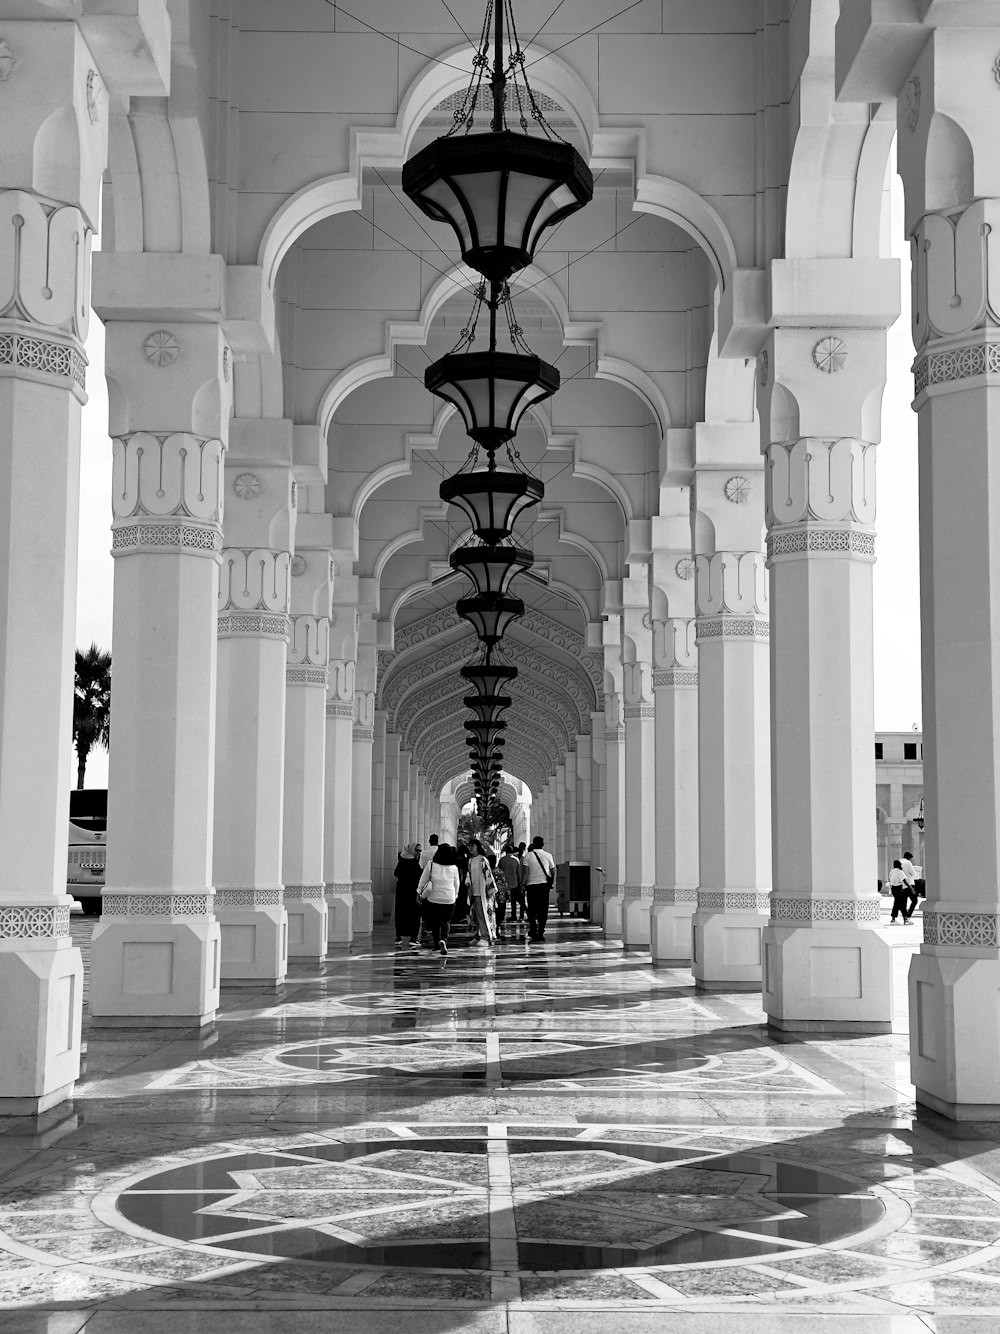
(538,875)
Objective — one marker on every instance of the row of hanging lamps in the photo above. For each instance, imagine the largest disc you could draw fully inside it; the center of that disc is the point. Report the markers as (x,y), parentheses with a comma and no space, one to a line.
(500,192)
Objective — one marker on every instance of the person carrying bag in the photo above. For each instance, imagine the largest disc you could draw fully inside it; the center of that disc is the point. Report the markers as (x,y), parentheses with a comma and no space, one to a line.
(437,892)
(539,875)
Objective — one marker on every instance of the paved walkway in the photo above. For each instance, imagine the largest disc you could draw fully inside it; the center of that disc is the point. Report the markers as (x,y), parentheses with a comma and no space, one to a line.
(552,1139)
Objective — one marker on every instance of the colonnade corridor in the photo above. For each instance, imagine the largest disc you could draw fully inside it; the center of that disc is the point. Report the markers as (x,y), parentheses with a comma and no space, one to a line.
(553,1137)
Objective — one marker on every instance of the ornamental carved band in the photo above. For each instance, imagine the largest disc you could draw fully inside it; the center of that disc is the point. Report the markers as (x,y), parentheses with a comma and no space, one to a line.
(136,538)
(828,481)
(826,910)
(308,676)
(255,579)
(633,711)
(362,887)
(674,677)
(977,930)
(733,627)
(338,890)
(176,475)
(955,277)
(639,892)
(42,358)
(44,258)
(307,893)
(157,905)
(338,708)
(33,923)
(248,898)
(734,900)
(254,624)
(821,542)
(957,363)
(310,646)
(681,895)
(366,734)
(732,583)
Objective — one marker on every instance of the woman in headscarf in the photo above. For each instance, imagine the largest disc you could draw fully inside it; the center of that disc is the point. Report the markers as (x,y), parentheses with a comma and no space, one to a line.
(482,889)
(407,912)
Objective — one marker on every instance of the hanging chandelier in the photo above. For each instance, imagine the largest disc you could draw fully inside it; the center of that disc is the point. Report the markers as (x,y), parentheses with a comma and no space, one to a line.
(487,708)
(492,500)
(491,568)
(499,192)
(490,615)
(488,677)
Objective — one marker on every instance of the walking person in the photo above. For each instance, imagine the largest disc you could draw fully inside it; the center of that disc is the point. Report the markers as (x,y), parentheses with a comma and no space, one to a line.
(538,875)
(437,891)
(407,910)
(431,849)
(482,891)
(510,866)
(900,893)
(910,876)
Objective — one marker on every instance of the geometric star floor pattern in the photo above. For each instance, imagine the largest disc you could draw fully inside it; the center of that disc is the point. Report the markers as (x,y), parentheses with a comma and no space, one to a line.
(553,1139)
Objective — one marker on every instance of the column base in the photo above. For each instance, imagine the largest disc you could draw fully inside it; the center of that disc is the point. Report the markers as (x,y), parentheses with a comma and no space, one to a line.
(340,914)
(254,943)
(155,972)
(954,1023)
(37,1105)
(308,922)
(41,982)
(635,917)
(200,1021)
(827,979)
(364,907)
(727,953)
(670,931)
(614,907)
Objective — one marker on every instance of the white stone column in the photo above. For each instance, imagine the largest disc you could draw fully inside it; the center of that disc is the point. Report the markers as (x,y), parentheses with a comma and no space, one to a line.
(253,630)
(306,686)
(569,806)
(733,751)
(339,781)
(826,968)
(391,848)
(953,216)
(675,693)
(44,266)
(598,802)
(640,799)
(378,816)
(407,777)
(156,951)
(363,734)
(614,777)
(584,812)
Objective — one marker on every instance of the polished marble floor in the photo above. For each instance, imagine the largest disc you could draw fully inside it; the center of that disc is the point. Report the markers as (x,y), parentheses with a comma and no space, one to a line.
(542,1139)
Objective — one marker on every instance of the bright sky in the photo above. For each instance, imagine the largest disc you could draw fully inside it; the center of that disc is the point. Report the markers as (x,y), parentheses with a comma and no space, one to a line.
(897,591)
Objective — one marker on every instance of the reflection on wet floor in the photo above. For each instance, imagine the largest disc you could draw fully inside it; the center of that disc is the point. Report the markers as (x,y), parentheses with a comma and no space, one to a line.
(470,1137)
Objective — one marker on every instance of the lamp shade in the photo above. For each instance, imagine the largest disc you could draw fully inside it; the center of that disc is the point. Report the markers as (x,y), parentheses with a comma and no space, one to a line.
(491,390)
(487,677)
(490,616)
(492,500)
(499,193)
(487,708)
(490,568)
(485,731)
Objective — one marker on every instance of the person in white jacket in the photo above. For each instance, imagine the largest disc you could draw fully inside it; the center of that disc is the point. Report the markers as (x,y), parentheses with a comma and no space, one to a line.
(538,872)
(437,892)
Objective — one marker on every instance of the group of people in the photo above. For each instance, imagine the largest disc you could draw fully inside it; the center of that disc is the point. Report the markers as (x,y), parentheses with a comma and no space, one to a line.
(449,883)
(903,887)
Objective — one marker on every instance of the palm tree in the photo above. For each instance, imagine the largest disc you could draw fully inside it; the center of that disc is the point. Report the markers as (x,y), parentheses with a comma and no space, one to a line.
(91,705)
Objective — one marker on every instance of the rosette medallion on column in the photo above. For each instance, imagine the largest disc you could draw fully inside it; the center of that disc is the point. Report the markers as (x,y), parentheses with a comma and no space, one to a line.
(826,968)
(732,632)
(307,682)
